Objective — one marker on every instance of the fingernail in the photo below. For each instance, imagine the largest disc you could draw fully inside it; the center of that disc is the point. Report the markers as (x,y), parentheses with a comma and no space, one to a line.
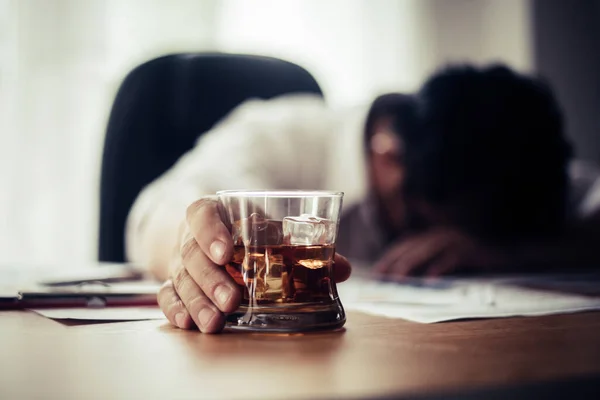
(180,320)
(204,317)
(222,294)
(217,250)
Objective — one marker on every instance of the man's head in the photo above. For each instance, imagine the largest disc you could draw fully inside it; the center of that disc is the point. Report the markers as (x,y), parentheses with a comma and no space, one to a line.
(486,152)
(384,143)
(481,149)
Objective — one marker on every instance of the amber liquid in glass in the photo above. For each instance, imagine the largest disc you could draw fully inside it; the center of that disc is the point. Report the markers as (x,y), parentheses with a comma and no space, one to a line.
(284,286)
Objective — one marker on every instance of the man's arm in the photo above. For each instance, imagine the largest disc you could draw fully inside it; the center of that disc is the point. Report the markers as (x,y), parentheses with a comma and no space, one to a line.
(449,250)
(262,144)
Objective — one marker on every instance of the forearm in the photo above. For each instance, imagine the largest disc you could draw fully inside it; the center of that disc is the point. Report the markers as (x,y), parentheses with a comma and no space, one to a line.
(159,240)
(153,231)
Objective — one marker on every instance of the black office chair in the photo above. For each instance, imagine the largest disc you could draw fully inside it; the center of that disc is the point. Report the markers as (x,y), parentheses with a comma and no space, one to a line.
(160,110)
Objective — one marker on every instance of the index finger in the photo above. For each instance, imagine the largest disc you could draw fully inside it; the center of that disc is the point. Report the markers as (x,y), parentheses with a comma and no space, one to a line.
(209,230)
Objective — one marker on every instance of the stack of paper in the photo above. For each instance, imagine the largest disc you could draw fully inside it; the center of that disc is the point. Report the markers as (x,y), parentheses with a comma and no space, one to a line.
(448,299)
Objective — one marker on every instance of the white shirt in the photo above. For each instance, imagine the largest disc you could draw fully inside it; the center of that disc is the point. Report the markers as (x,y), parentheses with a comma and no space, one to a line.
(291,142)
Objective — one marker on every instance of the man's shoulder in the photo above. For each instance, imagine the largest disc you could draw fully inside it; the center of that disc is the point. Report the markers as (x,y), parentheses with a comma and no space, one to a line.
(584,179)
(267,119)
(288,103)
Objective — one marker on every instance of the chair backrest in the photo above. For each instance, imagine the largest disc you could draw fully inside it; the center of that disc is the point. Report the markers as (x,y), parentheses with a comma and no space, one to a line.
(160,110)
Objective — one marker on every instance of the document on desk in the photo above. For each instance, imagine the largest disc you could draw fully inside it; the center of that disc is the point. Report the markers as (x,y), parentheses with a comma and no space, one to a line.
(447,299)
(23,286)
(102,314)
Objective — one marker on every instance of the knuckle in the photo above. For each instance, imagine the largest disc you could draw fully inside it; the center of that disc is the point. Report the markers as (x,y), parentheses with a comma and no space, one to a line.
(198,205)
(209,287)
(165,289)
(188,248)
(168,300)
(199,302)
(173,307)
(210,278)
(181,280)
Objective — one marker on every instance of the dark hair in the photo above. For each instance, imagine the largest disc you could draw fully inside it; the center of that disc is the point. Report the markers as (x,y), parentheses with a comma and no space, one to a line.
(490,148)
(396,105)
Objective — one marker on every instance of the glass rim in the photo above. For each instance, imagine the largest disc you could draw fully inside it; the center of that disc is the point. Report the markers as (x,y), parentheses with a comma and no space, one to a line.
(279,193)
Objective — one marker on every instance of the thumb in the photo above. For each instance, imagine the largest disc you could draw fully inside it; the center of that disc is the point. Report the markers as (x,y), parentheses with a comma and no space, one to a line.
(341,268)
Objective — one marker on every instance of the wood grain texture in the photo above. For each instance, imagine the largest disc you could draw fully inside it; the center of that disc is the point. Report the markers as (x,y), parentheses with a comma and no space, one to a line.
(41,358)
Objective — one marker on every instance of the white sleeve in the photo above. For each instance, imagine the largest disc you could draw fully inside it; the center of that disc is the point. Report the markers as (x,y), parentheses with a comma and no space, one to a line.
(278,143)
(591,201)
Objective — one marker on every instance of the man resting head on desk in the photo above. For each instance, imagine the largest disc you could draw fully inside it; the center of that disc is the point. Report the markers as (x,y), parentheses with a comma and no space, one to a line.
(470,174)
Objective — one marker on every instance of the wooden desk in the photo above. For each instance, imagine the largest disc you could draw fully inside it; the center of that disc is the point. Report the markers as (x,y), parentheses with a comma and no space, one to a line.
(41,358)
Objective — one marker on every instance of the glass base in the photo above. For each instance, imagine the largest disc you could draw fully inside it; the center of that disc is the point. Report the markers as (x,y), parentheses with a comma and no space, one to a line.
(299,317)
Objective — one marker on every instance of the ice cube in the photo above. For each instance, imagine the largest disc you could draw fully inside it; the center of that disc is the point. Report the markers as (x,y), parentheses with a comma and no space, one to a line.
(307,229)
(275,265)
(257,231)
(273,276)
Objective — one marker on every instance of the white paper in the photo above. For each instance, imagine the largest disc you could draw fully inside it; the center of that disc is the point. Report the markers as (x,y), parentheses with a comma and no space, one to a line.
(102,314)
(452,299)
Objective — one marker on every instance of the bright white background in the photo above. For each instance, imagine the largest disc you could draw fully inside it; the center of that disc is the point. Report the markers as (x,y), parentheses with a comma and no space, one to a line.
(61,62)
